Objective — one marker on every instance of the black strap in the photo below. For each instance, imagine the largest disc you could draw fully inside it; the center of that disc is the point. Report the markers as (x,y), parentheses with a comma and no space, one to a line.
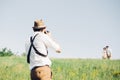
(28,56)
(37,52)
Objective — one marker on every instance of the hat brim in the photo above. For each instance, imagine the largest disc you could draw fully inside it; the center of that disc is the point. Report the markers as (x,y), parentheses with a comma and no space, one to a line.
(41,27)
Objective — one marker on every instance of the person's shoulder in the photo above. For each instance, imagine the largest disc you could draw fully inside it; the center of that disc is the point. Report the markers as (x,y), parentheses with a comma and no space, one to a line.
(43,36)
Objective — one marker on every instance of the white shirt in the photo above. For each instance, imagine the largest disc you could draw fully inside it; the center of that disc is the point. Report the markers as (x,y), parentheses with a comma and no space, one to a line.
(41,43)
(109,51)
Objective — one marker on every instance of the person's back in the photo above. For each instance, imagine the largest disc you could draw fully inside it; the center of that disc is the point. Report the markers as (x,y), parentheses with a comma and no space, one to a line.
(41,42)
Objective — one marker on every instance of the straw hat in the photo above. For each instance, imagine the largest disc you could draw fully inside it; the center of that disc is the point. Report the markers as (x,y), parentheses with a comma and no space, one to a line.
(38,24)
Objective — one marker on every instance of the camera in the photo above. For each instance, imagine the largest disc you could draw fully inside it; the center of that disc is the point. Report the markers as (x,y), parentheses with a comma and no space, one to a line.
(46,32)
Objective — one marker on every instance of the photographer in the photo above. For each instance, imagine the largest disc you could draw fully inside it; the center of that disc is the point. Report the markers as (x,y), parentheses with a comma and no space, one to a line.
(37,51)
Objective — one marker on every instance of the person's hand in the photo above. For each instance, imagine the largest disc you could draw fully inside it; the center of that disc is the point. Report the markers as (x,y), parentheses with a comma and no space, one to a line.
(58,51)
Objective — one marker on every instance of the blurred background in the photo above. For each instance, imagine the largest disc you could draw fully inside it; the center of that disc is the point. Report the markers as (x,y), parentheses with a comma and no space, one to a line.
(81,27)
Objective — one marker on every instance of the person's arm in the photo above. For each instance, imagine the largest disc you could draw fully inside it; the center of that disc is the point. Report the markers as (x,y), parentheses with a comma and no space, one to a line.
(51,43)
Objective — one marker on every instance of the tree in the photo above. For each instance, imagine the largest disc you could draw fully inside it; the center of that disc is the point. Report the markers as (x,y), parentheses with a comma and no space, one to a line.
(6,52)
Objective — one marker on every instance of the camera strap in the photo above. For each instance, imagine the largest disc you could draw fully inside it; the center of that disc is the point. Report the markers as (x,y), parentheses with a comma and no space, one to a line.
(36,51)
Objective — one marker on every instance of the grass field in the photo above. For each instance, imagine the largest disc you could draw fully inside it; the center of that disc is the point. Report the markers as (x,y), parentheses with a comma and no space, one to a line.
(16,68)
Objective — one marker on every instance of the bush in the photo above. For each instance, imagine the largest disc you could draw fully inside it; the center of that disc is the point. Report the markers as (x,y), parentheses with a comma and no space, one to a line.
(6,52)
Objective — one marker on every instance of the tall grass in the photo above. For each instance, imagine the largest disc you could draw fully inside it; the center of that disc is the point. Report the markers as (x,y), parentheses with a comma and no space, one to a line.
(16,68)
(86,69)
(13,68)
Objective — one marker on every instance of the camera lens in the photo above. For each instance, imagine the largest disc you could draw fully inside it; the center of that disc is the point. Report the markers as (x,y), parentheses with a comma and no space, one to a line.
(46,32)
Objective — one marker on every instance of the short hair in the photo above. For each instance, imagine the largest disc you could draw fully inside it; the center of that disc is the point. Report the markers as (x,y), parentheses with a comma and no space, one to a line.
(107,46)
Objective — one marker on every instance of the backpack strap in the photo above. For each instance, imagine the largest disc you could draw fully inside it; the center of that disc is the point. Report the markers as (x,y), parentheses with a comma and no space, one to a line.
(37,52)
(31,40)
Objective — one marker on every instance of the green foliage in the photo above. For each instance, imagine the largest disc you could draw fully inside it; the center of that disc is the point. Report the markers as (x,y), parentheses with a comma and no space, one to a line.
(16,68)
(86,69)
(6,52)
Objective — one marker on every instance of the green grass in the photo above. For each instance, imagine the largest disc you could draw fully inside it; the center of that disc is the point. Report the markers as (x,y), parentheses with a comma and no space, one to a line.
(13,68)
(16,68)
